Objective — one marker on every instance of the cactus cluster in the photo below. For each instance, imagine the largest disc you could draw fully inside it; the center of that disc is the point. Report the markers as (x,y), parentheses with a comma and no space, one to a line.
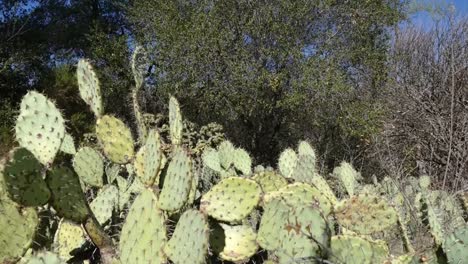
(152,200)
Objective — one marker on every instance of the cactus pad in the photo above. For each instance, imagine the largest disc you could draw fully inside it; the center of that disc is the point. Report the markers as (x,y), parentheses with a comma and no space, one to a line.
(40,127)
(89,166)
(68,237)
(274,218)
(112,171)
(270,181)
(365,214)
(68,145)
(23,179)
(353,249)
(177,183)
(287,162)
(105,202)
(304,148)
(456,244)
(175,121)
(321,184)
(347,175)
(67,195)
(88,84)
(149,160)
(239,243)
(210,159)
(242,161)
(189,243)
(226,152)
(115,138)
(144,233)
(18,229)
(304,170)
(45,257)
(232,199)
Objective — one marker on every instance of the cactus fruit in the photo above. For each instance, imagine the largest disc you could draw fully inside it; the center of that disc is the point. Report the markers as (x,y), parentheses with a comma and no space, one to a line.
(239,243)
(115,138)
(68,145)
(89,166)
(456,244)
(231,200)
(189,243)
(104,204)
(226,151)
(89,87)
(149,160)
(287,162)
(40,127)
(354,249)
(242,161)
(302,194)
(175,121)
(365,214)
(270,181)
(45,257)
(68,237)
(177,182)
(67,195)
(348,176)
(144,233)
(23,179)
(18,228)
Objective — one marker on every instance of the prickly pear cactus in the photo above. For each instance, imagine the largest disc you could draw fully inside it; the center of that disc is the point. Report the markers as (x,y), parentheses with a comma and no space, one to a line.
(89,166)
(239,243)
(105,203)
(304,170)
(144,233)
(287,162)
(68,237)
(189,243)
(211,160)
(456,244)
(319,182)
(357,250)
(274,219)
(232,199)
(177,183)
(112,171)
(150,160)
(242,161)
(270,181)
(115,138)
(45,257)
(68,145)
(365,214)
(347,175)
(175,121)
(226,151)
(23,179)
(89,87)
(304,148)
(40,127)
(18,227)
(67,195)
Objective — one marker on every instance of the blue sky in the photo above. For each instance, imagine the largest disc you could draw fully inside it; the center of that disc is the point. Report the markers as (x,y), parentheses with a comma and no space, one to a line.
(423,18)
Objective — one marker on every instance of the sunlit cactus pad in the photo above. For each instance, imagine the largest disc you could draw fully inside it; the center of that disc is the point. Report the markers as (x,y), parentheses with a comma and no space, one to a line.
(89,87)
(357,250)
(45,257)
(116,139)
(149,160)
(365,214)
(68,237)
(144,232)
(239,243)
(270,181)
(189,243)
(347,175)
(89,165)
(105,202)
(40,127)
(175,121)
(68,145)
(456,245)
(232,199)
(23,179)
(287,162)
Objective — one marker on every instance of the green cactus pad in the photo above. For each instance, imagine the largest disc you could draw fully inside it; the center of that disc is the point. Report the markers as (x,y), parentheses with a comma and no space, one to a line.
(177,183)
(239,244)
(435,225)
(189,243)
(68,237)
(175,121)
(356,250)
(302,194)
(40,127)
(89,166)
(126,190)
(115,138)
(274,219)
(321,184)
(287,162)
(194,193)
(226,152)
(144,233)
(347,175)
(424,182)
(305,169)
(270,181)
(112,171)
(18,228)
(304,148)
(67,195)
(455,246)
(45,257)
(210,159)
(23,179)
(242,161)
(105,202)
(232,199)
(149,160)
(365,214)
(68,145)
(89,87)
